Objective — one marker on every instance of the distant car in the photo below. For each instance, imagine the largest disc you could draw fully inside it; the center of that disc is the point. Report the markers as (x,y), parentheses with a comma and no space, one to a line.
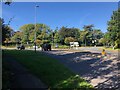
(36,47)
(22,47)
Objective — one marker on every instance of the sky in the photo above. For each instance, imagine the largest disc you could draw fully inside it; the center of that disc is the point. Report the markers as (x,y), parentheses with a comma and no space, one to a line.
(58,14)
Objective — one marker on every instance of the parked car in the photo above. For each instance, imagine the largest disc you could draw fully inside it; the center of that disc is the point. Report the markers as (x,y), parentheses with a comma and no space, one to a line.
(21,47)
(46,47)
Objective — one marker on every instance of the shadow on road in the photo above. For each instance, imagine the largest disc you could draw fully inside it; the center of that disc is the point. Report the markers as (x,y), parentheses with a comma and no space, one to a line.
(101,72)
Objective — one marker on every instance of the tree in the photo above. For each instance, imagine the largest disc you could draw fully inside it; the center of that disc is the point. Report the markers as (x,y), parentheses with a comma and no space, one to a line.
(88,27)
(87,34)
(83,37)
(69,39)
(8,2)
(96,36)
(45,34)
(38,42)
(17,37)
(102,41)
(114,28)
(68,32)
(28,30)
(6,31)
(57,37)
(90,36)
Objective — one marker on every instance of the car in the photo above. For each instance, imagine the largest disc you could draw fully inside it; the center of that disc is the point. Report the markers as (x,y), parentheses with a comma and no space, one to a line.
(21,47)
(46,47)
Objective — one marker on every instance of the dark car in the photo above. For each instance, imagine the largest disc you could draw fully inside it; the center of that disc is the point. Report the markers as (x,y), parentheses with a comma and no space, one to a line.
(46,47)
(22,47)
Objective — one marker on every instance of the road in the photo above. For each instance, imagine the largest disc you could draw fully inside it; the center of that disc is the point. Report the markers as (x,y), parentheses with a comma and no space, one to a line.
(98,50)
(101,72)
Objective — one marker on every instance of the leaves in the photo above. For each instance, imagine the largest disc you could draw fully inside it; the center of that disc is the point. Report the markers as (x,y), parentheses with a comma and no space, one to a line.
(65,32)
(114,28)
(29,31)
(7,31)
(69,39)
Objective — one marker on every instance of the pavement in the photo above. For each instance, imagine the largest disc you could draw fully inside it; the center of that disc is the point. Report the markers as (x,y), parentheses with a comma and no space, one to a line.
(101,72)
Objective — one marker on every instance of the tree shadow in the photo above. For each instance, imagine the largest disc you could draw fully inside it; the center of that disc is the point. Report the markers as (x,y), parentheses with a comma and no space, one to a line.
(92,66)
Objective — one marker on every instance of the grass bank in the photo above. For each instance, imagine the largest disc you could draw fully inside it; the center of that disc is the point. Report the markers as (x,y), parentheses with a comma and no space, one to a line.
(49,70)
(6,75)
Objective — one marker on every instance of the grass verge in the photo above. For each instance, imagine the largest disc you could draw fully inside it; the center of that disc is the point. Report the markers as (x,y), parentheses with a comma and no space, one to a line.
(49,70)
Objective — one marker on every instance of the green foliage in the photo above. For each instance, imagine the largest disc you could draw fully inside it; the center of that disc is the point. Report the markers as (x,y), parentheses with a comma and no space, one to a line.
(16,35)
(6,31)
(57,37)
(45,41)
(90,36)
(83,36)
(88,27)
(39,42)
(102,41)
(74,81)
(69,39)
(68,32)
(28,30)
(64,35)
(114,29)
(117,43)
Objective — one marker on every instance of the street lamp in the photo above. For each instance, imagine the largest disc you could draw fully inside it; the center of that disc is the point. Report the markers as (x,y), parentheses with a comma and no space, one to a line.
(53,37)
(35,27)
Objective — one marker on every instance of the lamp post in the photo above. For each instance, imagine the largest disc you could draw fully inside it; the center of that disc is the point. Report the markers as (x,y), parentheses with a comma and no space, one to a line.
(53,37)
(35,26)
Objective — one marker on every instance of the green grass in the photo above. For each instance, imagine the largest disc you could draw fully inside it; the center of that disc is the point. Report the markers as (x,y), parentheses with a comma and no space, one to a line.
(6,75)
(49,70)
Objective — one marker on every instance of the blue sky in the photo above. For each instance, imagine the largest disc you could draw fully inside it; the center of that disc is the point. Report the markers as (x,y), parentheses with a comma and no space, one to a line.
(58,14)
